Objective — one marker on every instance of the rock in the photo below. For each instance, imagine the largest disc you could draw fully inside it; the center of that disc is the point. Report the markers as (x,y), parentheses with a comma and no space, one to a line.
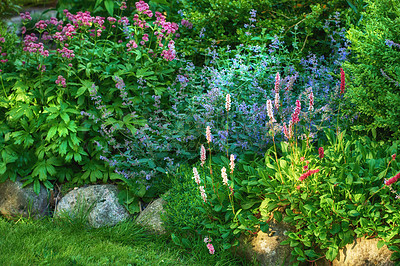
(97,205)
(151,216)
(363,252)
(266,248)
(16,201)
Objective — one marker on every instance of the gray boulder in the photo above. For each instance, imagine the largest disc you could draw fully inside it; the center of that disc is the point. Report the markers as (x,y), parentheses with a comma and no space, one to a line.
(16,201)
(151,216)
(97,205)
(363,252)
(266,248)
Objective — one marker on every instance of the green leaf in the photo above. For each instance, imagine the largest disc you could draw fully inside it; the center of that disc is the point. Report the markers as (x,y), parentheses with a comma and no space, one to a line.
(264,227)
(332,253)
(278,216)
(51,133)
(36,186)
(380,244)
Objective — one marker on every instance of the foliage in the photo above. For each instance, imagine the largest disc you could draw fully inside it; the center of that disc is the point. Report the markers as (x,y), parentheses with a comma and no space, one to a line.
(332,194)
(178,215)
(256,22)
(8,7)
(374,88)
(52,130)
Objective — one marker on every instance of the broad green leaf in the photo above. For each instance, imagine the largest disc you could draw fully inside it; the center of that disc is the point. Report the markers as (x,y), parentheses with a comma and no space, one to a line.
(109,4)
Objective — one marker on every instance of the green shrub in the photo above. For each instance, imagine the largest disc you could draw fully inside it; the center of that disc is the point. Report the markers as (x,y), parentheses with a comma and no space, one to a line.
(373,75)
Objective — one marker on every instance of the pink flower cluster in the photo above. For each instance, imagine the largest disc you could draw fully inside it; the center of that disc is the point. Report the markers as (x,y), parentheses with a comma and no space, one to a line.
(392,180)
(311,97)
(209,245)
(321,152)
(32,47)
(224,176)
(342,80)
(196,176)
(269,110)
(143,8)
(26,15)
(41,25)
(65,52)
(167,27)
(307,174)
(131,45)
(202,155)
(61,81)
(288,132)
(295,115)
(123,5)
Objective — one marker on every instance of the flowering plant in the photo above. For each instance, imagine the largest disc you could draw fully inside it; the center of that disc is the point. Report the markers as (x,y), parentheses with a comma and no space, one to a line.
(74,91)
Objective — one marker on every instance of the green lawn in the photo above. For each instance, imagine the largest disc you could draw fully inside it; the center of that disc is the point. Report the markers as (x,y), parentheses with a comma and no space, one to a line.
(55,242)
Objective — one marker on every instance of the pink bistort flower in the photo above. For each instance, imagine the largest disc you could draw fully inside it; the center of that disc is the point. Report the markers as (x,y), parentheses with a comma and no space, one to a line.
(196,176)
(392,180)
(232,163)
(224,176)
(210,248)
(208,134)
(342,80)
(269,110)
(228,102)
(202,155)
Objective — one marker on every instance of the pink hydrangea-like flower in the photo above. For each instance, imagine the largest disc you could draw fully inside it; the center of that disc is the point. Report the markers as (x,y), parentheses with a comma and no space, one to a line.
(269,110)
(61,81)
(196,176)
(123,5)
(202,155)
(224,176)
(228,102)
(392,180)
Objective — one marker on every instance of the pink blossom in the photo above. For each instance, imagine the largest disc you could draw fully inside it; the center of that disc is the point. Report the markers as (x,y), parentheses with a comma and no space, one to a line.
(232,163)
(208,134)
(196,176)
(61,81)
(295,115)
(203,193)
(307,174)
(392,180)
(269,110)
(123,6)
(210,248)
(228,102)
(186,24)
(394,157)
(131,45)
(321,152)
(224,176)
(277,100)
(202,155)
(342,80)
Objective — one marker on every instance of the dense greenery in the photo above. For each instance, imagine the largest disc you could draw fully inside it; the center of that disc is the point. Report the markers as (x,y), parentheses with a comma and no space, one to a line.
(242,123)
(374,88)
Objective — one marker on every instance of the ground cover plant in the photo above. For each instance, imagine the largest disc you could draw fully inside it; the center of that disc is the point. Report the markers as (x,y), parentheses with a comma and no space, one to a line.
(250,133)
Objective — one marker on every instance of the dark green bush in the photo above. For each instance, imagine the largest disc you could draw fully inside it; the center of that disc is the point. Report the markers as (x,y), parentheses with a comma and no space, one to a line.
(373,76)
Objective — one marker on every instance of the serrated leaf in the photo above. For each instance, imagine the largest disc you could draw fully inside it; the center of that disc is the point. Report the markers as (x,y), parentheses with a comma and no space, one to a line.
(52,131)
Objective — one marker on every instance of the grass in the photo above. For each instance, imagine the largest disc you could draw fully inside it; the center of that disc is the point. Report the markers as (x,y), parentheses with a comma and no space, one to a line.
(58,242)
